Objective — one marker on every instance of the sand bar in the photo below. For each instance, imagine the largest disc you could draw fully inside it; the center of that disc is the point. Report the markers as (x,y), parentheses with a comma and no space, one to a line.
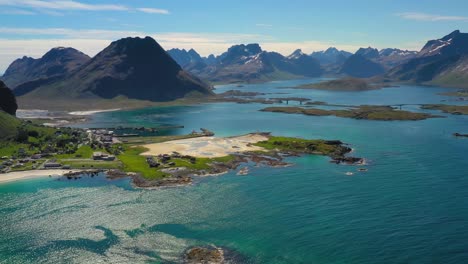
(207,147)
(23,175)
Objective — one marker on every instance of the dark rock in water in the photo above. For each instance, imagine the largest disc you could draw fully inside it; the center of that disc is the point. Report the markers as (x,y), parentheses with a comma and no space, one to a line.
(7,100)
(213,255)
(204,255)
(460,135)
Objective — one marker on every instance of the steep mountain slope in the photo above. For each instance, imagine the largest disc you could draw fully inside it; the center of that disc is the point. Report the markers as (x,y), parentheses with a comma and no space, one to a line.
(136,68)
(442,61)
(7,100)
(359,66)
(56,62)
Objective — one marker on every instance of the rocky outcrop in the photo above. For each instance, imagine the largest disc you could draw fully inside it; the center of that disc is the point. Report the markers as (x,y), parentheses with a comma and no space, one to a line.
(7,100)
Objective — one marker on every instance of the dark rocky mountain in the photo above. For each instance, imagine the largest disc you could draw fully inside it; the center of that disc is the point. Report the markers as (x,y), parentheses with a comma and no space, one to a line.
(368,53)
(252,64)
(390,58)
(7,100)
(443,61)
(184,57)
(190,60)
(136,68)
(361,67)
(210,60)
(369,62)
(56,62)
(331,56)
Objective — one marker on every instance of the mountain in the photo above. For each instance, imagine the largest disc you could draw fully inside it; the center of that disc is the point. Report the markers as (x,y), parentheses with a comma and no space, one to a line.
(250,63)
(184,57)
(56,62)
(361,67)
(369,62)
(136,68)
(442,61)
(368,53)
(331,56)
(210,60)
(394,57)
(7,100)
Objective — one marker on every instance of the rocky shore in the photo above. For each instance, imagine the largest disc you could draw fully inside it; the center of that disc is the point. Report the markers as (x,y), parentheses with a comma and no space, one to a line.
(270,151)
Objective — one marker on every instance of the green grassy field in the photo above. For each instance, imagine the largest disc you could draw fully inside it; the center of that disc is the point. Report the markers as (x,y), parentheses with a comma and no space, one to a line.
(297,144)
(133,162)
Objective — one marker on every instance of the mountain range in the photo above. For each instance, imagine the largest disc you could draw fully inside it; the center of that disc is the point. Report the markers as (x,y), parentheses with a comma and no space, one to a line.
(139,68)
(136,68)
(247,63)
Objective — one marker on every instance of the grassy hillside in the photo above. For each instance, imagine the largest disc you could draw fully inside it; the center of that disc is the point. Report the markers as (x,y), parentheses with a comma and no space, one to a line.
(8,126)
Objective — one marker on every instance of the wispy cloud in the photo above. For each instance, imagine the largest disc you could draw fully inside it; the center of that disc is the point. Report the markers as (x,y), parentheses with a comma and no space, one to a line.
(430,17)
(17,12)
(62,5)
(264,25)
(48,6)
(153,10)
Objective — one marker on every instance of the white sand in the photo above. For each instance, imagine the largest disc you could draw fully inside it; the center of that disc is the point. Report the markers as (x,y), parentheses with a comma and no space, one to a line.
(207,147)
(23,175)
(92,112)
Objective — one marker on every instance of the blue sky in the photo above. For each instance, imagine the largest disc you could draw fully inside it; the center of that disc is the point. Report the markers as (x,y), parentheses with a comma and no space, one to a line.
(31,27)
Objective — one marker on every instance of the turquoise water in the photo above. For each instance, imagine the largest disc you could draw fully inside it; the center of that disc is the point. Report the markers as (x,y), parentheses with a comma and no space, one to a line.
(410,207)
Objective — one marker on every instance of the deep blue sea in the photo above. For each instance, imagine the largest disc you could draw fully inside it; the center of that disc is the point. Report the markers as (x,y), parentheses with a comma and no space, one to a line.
(411,206)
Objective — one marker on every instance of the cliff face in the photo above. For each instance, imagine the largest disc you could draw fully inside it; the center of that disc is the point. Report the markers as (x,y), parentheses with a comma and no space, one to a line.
(7,100)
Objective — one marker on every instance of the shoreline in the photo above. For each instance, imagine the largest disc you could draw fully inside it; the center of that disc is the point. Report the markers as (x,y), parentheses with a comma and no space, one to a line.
(32,174)
(92,112)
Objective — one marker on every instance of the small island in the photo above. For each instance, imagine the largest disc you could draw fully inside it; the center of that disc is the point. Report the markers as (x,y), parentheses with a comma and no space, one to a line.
(460,93)
(345,84)
(368,112)
(449,109)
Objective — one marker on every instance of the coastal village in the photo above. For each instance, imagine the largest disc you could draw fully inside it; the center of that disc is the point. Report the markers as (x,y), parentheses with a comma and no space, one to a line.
(102,147)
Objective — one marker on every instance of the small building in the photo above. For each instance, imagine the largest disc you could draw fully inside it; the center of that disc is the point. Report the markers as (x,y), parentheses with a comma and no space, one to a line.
(66,167)
(103,156)
(36,156)
(52,165)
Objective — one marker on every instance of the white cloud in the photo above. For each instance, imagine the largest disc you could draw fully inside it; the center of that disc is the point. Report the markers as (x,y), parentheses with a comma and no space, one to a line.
(62,5)
(153,10)
(263,25)
(430,17)
(16,12)
(51,6)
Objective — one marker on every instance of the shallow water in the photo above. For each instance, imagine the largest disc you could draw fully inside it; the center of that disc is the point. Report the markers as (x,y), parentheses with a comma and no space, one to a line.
(410,207)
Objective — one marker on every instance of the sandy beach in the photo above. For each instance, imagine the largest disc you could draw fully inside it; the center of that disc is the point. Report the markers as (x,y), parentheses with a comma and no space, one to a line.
(92,112)
(23,175)
(207,147)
